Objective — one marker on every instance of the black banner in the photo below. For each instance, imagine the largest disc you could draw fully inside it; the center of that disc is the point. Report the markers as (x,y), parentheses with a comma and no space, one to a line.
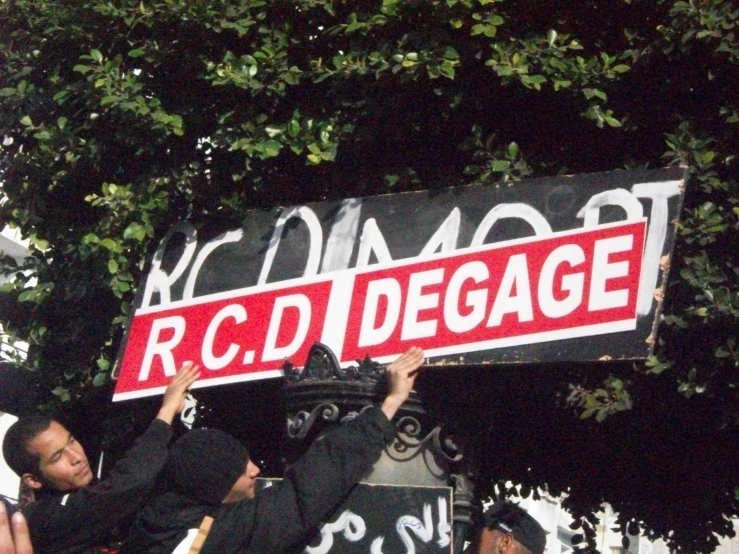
(387,519)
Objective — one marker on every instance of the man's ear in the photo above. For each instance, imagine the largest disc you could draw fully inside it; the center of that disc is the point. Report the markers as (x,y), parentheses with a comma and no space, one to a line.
(32,481)
(506,543)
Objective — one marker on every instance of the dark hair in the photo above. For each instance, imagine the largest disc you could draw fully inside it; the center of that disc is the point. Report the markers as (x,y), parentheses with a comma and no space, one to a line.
(511,518)
(15,444)
(505,512)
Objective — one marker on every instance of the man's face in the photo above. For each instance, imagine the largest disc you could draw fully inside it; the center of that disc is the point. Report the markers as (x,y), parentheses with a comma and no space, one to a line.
(492,541)
(245,485)
(62,461)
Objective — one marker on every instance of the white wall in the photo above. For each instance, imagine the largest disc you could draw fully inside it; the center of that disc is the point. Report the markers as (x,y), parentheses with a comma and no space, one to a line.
(9,481)
(555,520)
(12,244)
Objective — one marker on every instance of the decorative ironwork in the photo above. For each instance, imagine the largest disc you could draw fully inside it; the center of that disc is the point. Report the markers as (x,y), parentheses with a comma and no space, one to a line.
(464,508)
(406,443)
(322,392)
(322,365)
(299,425)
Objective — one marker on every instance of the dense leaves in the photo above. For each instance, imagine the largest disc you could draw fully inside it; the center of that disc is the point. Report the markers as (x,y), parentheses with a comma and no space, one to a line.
(120,117)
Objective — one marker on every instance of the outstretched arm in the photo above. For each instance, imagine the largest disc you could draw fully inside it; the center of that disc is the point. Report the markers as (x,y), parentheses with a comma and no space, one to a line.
(316,482)
(174,397)
(401,375)
(101,505)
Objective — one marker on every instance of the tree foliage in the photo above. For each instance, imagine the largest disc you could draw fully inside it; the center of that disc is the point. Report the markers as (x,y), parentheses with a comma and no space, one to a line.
(120,117)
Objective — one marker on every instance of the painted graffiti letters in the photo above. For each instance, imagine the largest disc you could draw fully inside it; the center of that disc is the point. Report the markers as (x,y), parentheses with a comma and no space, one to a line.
(410,531)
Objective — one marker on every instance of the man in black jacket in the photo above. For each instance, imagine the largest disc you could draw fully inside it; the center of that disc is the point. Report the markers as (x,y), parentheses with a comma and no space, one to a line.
(209,474)
(72,512)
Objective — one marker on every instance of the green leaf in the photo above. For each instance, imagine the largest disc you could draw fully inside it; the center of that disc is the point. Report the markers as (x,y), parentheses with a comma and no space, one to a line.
(110,244)
(131,230)
(81,68)
(40,243)
(103,364)
(26,120)
(272,131)
(501,165)
(272,148)
(96,55)
(621,68)
(25,296)
(61,122)
(587,413)
(450,53)
(123,286)
(100,379)
(136,53)
(62,393)
(108,100)
(112,266)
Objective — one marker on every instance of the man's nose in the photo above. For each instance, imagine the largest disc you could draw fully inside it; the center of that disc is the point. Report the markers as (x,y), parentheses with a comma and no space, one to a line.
(74,456)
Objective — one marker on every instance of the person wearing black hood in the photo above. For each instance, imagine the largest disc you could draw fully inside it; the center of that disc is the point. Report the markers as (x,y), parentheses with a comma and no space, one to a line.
(210,499)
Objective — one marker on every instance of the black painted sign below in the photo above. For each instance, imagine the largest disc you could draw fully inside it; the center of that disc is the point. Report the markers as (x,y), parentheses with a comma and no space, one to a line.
(390,519)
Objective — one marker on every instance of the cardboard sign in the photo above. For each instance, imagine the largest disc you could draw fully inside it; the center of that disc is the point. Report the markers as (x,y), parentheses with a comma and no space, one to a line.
(385,518)
(473,275)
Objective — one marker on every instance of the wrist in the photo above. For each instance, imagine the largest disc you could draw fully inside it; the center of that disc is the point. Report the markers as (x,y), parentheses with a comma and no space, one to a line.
(391,404)
(166,415)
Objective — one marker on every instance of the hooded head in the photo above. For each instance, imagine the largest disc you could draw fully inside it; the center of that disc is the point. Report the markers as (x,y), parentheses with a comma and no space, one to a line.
(205,464)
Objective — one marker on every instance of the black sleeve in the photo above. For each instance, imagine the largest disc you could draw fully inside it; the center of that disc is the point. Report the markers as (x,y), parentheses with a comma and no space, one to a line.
(62,523)
(317,482)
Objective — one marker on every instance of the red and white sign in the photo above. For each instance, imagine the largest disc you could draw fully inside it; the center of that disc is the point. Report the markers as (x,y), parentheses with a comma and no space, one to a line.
(576,283)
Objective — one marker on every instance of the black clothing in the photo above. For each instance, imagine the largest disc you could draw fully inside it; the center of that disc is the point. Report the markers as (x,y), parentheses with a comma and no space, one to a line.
(217,458)
(280,516)
(80,520)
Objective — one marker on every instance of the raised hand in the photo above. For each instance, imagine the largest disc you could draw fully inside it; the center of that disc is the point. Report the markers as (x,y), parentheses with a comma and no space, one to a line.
(401,376)
(17,542)
(174,397)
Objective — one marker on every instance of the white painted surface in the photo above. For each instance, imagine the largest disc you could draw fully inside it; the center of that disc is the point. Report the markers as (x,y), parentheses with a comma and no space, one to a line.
(9,481)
